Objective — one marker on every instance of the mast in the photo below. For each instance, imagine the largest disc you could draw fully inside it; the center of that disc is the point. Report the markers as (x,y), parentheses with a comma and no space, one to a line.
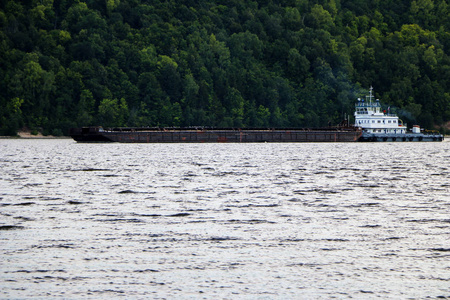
(370,96)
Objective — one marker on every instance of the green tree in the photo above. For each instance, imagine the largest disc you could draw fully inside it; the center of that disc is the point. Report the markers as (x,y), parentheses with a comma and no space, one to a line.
(113,112)
(321,18)
(236,108)
(85,114)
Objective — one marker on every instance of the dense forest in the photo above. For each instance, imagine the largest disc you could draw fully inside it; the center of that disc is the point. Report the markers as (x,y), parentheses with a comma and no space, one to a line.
(221,63)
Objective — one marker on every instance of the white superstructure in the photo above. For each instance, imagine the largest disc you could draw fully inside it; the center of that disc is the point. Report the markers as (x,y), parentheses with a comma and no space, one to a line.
(370,117)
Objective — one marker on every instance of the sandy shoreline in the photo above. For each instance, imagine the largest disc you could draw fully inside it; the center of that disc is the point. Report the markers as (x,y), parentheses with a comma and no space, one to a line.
(28,135)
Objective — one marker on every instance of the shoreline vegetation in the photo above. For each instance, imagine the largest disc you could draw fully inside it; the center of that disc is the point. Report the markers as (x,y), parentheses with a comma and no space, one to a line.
(246,64)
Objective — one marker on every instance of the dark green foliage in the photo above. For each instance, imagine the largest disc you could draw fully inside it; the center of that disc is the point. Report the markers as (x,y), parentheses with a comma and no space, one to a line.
(219,63)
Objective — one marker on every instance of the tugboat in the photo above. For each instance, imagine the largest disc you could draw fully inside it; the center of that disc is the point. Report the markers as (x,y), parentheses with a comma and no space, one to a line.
(378,126)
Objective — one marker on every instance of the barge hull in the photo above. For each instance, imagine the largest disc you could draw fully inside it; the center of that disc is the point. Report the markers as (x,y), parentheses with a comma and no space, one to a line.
(408,137)
(132,135)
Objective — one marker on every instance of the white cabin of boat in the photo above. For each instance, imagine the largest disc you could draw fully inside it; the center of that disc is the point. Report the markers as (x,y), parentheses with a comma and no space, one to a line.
(370,117)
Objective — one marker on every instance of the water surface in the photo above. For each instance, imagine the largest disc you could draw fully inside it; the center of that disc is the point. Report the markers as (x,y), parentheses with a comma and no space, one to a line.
(265,221)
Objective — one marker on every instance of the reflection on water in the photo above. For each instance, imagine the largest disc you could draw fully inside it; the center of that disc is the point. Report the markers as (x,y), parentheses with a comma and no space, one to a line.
(224,220)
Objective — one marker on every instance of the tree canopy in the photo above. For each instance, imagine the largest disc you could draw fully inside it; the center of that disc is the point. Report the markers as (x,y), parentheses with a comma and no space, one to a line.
(293,63)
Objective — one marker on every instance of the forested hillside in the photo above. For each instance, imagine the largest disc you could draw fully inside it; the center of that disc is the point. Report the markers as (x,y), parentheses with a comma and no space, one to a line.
(226,63)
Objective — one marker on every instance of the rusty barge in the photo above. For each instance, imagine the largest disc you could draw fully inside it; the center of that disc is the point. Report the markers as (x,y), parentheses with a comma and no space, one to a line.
(215,135)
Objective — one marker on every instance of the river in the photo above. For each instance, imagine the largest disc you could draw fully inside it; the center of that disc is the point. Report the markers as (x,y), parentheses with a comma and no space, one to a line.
(224,221)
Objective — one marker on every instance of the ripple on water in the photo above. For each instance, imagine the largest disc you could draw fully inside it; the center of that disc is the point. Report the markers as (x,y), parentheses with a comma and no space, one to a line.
(280,221)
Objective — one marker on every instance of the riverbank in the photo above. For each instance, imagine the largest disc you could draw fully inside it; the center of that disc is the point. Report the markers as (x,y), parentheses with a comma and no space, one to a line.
(24,134)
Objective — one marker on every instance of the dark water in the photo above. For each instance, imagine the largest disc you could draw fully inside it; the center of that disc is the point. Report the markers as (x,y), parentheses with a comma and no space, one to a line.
(215,221)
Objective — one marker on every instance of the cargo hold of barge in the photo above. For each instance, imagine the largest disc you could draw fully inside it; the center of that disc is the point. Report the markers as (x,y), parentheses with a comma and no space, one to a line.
(215,135)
